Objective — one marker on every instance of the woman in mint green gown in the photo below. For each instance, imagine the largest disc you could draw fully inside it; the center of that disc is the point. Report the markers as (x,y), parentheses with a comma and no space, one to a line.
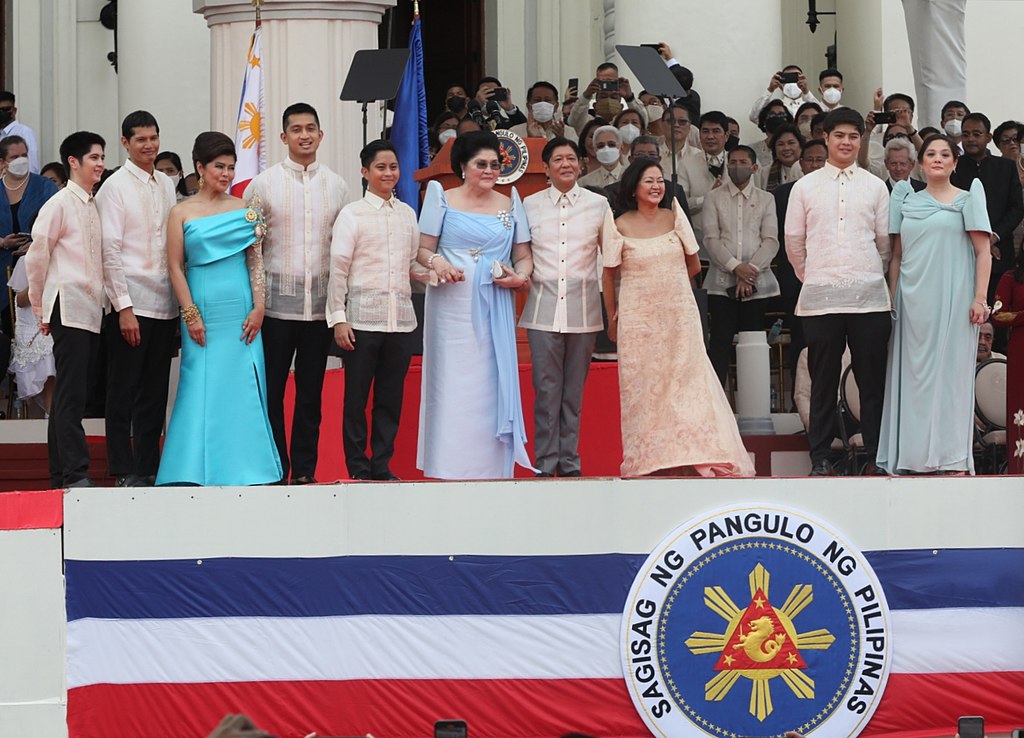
(939,274)
(219,433)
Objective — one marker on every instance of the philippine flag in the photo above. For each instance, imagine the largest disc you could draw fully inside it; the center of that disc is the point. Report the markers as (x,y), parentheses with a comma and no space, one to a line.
(519,643)
(250,148)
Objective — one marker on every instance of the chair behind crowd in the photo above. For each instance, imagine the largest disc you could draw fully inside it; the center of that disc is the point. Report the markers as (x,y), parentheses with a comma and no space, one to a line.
(990,413)
(849,407)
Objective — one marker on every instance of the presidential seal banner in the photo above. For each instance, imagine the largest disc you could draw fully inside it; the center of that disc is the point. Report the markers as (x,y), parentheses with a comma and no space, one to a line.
(752,621)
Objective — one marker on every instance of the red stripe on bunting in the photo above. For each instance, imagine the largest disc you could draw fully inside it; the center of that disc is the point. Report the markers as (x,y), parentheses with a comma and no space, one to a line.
(922,705)
(32,510)
(914,706)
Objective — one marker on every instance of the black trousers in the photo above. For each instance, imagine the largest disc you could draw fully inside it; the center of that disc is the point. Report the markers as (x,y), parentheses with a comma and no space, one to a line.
(136,405)
(827,336)
(380,359)
(74,351)
(727,317)
(307,342)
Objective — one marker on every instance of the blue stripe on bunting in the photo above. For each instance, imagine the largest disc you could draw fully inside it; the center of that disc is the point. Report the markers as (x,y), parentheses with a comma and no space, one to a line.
(472,585)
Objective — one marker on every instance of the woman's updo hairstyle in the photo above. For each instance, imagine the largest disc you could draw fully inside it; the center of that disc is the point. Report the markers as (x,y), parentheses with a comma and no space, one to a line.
(469,144)
(209,146)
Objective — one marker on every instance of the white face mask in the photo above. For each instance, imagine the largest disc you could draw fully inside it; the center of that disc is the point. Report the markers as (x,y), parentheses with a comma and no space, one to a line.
(654,112)
(18,167)
(543,111)
(791,90)
(175,179)
(629,132)
(953,127)
(832,95)
(608,155)
(446,135)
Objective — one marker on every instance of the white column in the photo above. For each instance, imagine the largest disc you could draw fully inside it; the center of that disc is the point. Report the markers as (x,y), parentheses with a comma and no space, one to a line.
(731,52)
(307,50)
(938,48)
(163,56)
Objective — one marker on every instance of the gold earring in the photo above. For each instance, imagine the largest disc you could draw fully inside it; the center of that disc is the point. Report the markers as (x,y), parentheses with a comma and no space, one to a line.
(201,181)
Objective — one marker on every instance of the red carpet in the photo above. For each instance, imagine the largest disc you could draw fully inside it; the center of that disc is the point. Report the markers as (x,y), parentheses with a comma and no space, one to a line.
(600,441)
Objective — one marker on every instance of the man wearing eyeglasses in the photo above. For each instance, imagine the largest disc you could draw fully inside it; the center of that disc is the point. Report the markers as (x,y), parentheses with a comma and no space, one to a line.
(1002,192)
(11,127)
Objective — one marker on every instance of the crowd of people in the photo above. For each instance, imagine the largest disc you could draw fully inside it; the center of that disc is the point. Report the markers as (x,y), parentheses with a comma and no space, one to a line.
(873,238)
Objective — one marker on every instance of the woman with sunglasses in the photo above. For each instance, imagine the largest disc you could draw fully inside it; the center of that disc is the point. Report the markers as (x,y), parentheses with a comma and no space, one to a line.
(476,243)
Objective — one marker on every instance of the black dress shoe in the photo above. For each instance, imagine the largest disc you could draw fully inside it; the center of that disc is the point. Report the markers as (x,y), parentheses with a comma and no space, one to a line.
(387,476)
(544,474)
(360,477)
(303,480)
(823,469)
(83,482)
(127,480)
(873,470)
(576,473)
(147,481)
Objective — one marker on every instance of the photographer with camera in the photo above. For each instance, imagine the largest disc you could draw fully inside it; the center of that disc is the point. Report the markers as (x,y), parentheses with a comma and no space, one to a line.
(495,105)
(607,90)
(789,86)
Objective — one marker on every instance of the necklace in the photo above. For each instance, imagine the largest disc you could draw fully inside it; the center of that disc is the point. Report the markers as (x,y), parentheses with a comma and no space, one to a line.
(14,189)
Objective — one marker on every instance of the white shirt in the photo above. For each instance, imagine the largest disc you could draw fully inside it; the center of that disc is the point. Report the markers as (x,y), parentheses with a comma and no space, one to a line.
(16,128)
(565,233)
(373,254)
(66,260)
(133,207)
(837,239)
(603,176)
(549,131)
(301,205)
(740,227)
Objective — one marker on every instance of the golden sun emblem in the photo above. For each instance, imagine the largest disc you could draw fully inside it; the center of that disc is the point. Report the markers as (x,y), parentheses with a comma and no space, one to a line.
(251,125)
(760,643)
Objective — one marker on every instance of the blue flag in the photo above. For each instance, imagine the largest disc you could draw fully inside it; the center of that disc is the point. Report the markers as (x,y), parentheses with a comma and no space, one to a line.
(409,129)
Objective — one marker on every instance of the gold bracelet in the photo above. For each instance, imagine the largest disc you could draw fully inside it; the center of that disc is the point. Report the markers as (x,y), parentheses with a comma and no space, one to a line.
(190,314)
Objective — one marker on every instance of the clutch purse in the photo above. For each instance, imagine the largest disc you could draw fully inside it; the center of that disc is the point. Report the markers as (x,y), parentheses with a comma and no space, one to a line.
(497,269)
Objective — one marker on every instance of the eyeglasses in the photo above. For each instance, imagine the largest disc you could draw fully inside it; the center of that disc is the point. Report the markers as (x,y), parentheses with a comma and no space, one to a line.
(1007,140)
(973,134)
(485,165)
(897,111)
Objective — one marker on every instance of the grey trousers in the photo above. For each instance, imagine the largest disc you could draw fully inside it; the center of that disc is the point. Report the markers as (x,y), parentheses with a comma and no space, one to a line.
(560,365)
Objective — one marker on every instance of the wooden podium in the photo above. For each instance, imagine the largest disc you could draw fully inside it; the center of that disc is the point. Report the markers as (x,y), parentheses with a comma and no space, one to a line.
(532,180)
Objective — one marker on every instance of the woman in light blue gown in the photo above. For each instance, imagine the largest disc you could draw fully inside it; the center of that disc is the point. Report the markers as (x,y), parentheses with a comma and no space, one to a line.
(471,415)
(939,276)
(219,433)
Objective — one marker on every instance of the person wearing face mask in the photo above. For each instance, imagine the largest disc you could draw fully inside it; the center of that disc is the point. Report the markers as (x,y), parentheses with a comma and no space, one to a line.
(804,115)
(773,116)
(455,99)
(608,150)
(9,126)
(791,94)
(170,164)
(830,87)
(951,119)
(21,197)
(631,127)
(741,239)
(442,131)
(542,120)
(606,103)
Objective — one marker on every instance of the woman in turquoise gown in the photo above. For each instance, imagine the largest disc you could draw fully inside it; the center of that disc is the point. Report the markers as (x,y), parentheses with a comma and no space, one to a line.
(471,414)
(219,433)
(939,275)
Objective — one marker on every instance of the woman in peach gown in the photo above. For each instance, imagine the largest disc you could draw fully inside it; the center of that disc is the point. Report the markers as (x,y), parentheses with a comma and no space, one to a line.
(676,419)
